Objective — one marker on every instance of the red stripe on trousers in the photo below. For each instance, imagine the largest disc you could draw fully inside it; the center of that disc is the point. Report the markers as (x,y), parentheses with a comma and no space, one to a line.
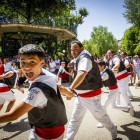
(50,133)
(124,75)
(4,89)
(91,93)
(113,87)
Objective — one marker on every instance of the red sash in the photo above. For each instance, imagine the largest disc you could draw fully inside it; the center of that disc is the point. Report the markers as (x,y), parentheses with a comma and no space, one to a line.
(113,87)
(124,75)
(50,133)
(4,89)
(91,93)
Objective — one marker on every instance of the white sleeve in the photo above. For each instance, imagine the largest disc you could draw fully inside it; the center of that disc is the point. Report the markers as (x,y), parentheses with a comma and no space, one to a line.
(116,59)
(126,62)
(60,69)
(85,64)
(36,98)
(54,64)
(105,76)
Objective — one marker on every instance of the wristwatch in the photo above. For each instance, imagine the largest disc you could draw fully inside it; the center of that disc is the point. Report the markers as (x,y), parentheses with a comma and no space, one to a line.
(74,91)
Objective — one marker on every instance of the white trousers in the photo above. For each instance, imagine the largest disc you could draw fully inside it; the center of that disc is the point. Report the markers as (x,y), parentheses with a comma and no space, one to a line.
(93,104)
(123,88)
(129,92)
(111,98)
(34,136)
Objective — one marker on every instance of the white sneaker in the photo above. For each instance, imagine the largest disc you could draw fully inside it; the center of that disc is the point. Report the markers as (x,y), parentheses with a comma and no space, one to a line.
(114,133)
(135,85)
(131,111)
(100,125)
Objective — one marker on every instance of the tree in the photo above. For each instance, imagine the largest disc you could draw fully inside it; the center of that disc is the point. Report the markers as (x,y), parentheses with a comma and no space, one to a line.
(132,12)
(131,40)
(30,11)
(101,41)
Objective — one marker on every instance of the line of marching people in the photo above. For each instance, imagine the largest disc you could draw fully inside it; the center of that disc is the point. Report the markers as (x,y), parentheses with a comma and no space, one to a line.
(44,104)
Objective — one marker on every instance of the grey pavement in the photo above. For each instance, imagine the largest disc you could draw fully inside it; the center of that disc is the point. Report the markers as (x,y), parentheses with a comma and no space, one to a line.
(128,127)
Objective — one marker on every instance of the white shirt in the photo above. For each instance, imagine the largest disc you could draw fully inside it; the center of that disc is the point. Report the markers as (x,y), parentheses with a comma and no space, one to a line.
(52,64)
(119,73)
(104,75)
(111,62)
(35,96)
(84,64)
(61,69)
(14,67)
(125,61)
(57,61)
(7,67)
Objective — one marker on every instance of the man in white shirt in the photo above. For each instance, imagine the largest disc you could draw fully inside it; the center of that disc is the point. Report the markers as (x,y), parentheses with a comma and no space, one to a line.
(57,62)
(136,65)
(122,79)
(7,65)
(127,65)
(52,66)
(87,83)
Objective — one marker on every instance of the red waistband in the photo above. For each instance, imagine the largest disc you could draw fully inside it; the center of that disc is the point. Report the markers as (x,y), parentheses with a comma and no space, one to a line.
(91,93)
(4,89)
(129,73)
(124,75)
(60,76)
(50,133)
(113,87)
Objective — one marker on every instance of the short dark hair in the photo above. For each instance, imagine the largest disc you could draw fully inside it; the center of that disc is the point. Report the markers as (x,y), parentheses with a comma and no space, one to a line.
(32,49)
(77,42)
(125,53)
(101,62)
(110,50)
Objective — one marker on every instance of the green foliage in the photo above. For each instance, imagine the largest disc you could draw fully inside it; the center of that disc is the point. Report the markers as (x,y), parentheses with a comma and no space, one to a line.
(132,11)
(34,10)
(130,40)
(101,41)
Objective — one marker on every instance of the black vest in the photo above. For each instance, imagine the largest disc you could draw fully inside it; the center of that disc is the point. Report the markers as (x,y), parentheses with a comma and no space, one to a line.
(122,66)
(111,81)
(92,80)
(107,63)
(10,82)
(51,116)
(128,69)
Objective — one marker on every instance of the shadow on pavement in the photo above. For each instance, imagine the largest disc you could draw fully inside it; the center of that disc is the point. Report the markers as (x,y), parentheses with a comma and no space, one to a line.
(137,114)
(21,127)
(132,134)
(135,99)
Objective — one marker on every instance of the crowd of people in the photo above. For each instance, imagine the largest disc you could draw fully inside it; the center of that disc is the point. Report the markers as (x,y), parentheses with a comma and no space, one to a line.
(87,75)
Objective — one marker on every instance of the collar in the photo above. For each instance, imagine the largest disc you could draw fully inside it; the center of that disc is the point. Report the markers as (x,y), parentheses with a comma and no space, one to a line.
(103,70)
(84,51)
(114,56)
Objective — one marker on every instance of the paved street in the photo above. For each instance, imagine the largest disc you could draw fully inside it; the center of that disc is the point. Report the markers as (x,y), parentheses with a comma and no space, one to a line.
(128,127)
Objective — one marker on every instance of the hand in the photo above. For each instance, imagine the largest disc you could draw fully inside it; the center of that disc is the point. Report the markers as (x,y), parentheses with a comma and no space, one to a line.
(21,90)
(70,94)
(115,71)
(68,98)
(58,79)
